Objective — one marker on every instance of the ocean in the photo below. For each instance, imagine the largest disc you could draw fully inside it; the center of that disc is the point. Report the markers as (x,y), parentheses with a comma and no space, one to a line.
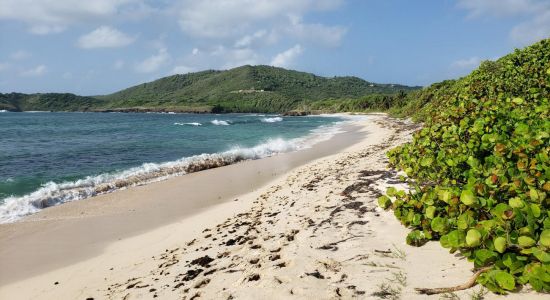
(48,159)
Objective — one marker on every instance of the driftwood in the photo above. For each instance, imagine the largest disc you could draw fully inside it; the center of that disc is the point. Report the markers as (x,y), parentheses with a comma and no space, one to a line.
(470,283)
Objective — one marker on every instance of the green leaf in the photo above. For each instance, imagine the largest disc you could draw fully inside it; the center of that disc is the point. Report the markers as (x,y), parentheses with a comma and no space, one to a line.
(525,241)
(544,238)
(464,221)
(517,100)
(391,191)
(384,202)
(473,238)
(515,202)
(500,244)
(467,197)
(430,211)
(439,224)
(505,280)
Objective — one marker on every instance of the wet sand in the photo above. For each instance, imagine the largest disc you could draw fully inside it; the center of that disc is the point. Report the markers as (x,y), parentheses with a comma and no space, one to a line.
(68,233)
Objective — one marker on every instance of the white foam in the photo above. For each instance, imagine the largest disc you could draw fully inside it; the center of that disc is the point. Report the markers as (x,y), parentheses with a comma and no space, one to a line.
(271,120)
(3,110)
(220,122)
(52,193)
(190,124)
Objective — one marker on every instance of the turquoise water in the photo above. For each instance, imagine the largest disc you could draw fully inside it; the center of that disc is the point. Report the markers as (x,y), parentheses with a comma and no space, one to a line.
(51,158)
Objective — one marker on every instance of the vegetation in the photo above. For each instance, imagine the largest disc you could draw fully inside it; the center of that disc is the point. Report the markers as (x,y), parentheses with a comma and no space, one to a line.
(481,169)
(47,102)
(242,89)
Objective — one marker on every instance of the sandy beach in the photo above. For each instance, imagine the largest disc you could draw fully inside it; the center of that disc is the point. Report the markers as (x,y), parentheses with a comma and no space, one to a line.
(301,225)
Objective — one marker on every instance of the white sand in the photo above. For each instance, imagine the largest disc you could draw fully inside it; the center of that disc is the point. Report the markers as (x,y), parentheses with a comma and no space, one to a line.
(313,233)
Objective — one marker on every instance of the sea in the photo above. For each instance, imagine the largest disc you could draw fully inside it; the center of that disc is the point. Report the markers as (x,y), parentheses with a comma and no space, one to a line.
(49,158)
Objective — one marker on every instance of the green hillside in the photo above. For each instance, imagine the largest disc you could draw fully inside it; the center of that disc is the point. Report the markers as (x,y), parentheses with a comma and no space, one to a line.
(242,89)
(47,102)
(245,89)
(481,170)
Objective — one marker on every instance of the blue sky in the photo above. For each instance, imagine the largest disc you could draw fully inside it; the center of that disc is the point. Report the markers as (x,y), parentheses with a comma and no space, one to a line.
(101,46)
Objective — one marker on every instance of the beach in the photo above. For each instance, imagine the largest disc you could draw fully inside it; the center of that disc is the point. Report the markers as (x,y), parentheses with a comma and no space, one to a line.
(297,225)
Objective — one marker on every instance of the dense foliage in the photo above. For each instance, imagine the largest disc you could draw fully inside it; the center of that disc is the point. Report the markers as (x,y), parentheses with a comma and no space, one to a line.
(246,89)
(242,89)
(47,102)
(481,169)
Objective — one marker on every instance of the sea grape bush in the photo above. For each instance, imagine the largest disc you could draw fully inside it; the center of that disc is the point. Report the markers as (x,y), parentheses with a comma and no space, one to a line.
(480,168)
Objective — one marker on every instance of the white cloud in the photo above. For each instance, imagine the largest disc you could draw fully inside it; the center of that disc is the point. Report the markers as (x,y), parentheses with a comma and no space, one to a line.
(286,59)
(221,18)
(320,34)
(67,75)
(534,16)
(20,55)
(533,30)
(104,37)
(182,70)
(4,66)
(468,63)
(500,8)
(195,51)
(154,62)
(119,64)
(34,72)
(52,16)
(259,36)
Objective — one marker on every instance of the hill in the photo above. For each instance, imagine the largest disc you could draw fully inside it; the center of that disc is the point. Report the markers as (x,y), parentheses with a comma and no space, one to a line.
(242,89)
(47,102)
(481,171)
(245,89)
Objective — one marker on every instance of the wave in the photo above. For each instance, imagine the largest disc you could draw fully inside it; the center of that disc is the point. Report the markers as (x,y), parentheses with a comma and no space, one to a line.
(271,120)
(3,110)
(220,122)
(52,193)
(190,123)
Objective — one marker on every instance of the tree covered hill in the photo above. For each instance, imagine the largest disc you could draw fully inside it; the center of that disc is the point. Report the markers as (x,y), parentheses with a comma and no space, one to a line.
(242,89)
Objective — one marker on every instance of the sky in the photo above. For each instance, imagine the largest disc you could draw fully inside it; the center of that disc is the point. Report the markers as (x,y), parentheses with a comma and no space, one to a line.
(101,46)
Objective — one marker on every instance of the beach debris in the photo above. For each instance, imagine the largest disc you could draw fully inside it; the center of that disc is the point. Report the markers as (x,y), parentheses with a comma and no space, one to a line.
(468,284)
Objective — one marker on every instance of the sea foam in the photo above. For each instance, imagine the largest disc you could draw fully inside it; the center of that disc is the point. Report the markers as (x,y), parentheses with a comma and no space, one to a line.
(53,193)
(271,120)
(220,122)
(190,124)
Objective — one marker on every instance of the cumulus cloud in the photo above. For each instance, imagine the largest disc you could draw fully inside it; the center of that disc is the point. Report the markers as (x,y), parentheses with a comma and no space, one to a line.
(533,30)
(316,33)
(119,64)
(52,16)
(234,33)
(104,37)
(468,63)
(535,16)
(154,62)
(20,55)
(220,18)
(258,38)
(34,72)
(500,8)
(286,58)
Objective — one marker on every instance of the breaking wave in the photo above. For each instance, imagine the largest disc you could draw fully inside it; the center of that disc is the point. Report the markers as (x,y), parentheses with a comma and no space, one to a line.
(220,122)
(53,193)
(190,124)
(271,120)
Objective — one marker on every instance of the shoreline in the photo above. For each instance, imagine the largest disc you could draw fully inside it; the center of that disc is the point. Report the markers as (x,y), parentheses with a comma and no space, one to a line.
(59,193)
(314,231)
(125,213)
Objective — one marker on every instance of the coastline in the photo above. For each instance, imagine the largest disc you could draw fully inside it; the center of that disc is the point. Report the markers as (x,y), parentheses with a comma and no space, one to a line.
(125,213)
(310,230)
